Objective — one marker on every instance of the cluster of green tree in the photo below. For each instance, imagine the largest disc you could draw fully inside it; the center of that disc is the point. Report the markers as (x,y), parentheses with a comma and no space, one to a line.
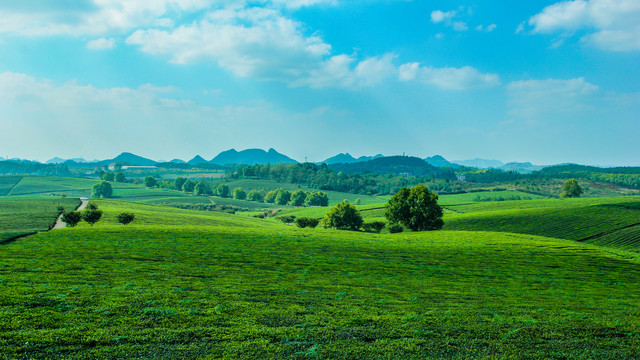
(324,178)
(416,209)
(28,168)
(91,215)
(479,198)
(286,197)
(623,176)
(112,176)
(486,176)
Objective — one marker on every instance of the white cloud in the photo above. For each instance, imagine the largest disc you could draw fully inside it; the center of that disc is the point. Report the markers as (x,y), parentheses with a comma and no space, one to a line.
(249,42)
(448,18)
(101,44)
(533,98)
(610,25)
(438,16)
(448,78)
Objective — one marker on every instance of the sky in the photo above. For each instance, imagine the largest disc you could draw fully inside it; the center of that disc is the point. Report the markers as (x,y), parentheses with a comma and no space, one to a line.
(541,81)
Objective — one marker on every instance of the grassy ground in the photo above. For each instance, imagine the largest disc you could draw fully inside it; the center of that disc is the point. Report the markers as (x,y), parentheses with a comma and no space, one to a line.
(185,284)
(26,215)
(7,183)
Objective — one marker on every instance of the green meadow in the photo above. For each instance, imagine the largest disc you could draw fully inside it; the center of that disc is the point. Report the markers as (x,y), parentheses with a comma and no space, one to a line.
(26,215)
(197,284)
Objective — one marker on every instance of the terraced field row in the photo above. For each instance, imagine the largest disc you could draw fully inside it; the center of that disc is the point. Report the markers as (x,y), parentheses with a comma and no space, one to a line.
(19,215)
(7,183)
(626,239)
(576,223)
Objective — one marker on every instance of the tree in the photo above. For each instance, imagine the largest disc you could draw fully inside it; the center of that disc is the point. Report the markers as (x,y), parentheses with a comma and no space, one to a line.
(71,218)
(415,208)
(119,177)
(255,195)
(188,186)
(92,206)
(108,176)
(571,189)
(91,216)
(178,182)
(125,218)
(343,216)
(270,197)
(282,197)
(101,190)
(202,188)
(239,193)
(150,182)
(298,197)
(319,198)
(223,190)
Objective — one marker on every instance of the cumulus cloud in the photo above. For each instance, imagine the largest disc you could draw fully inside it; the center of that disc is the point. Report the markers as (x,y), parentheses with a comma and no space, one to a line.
(101,44)
(533,98)
(609,25)
(448,18)
(448,78)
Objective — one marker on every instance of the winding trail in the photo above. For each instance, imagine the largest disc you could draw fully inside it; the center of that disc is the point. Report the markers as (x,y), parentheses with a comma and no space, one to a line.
(61,224)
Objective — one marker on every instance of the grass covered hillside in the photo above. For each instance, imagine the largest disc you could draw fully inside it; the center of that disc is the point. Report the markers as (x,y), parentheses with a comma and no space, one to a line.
(187,284)
(26,215)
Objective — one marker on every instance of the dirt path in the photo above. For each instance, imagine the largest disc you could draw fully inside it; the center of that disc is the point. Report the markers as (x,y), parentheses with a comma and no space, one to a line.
(61,224)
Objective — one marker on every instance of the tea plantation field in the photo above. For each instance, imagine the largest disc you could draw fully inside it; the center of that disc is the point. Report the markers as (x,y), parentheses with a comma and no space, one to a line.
(26,215)
(186,284)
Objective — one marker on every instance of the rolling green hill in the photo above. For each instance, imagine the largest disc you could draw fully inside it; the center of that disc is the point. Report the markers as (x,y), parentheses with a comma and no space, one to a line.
(186,284)
(26,215)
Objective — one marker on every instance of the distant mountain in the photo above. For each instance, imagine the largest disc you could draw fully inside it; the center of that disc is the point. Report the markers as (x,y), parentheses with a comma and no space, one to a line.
(522,168)
(439,161)
(197,160)
(346,158)
(251,157)
(127,158)
(480,163)
(399,165)
(55,160)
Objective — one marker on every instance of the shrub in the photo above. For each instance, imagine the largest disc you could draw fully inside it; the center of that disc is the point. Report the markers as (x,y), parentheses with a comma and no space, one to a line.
(270,198)
(298,198)
(92,206)
(375,226)
(101,190)
(303,222)
(255,195)
(150,182)
(287,219)
(395,228)
(282,197)
(343,216)
(91,216)
(223,190)
(415,208)
(239,193)
(125,218)
(71,218)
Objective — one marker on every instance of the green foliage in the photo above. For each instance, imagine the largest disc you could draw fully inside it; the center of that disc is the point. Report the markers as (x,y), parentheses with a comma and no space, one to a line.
(108,176)
(317,198)
(71,218)
(188,186)
(256,195)
(201,188)
(150,182)
(178,182)
(288,219)
(101,190)
(298,198)
(343,216)
(282,197)
(223,190)
(119,177)
(415,208)
(125,217)
(571,189)
(270,197)
(239,193)
(395,228)
(91,216)
(375,226)
(304,222)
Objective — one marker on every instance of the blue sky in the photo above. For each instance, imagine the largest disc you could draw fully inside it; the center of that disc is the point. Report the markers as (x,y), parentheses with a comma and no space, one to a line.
(540,81)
